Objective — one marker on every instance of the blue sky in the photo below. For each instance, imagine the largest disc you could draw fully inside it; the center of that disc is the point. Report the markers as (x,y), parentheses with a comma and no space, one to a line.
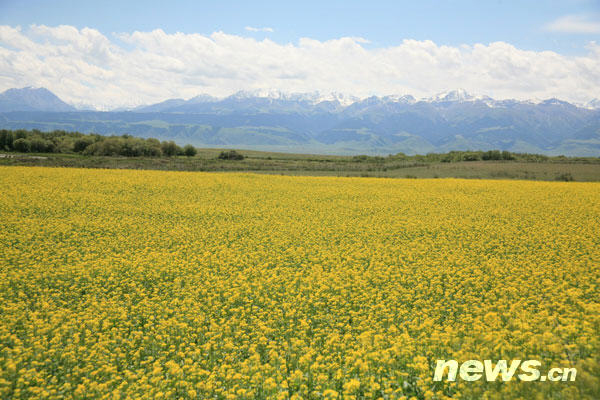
(108,54)
(384,23)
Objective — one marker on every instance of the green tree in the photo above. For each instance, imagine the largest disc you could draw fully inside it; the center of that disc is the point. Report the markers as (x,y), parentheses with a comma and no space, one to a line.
(189,150)
(39,145)
(170,149)
(3,137)
(507,155)
(230,155)
(491,155)
(80,144)
(22,145)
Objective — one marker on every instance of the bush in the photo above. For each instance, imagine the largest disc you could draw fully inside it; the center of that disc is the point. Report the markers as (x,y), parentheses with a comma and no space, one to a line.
(80,144)
(507,155)
(6,139)
(59,141)
(152,148)
(360,158)
(22,145)
(39,145)
(21,134)
(63,144)
(170,149)
(189,150)
(491,155)
(471,156)
(108,147)
(230,155)
(566,177)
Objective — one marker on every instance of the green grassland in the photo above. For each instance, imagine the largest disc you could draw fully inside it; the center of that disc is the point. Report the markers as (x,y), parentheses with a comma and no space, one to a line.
(326,165)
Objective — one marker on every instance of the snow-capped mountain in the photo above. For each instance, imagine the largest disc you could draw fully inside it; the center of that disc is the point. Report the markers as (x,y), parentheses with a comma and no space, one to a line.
(455,95)
(338,123)
(310,97)
(396,98)
(341,100)
(593,104)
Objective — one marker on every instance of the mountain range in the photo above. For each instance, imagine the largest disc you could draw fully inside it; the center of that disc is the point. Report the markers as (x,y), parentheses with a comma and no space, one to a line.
(32,99)
(329,124)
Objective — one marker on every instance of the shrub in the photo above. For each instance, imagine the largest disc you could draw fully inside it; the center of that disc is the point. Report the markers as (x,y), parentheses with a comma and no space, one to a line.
(63,144)
(170,149)
(491,155)
(566,177)
(507,155)
(471,156)
(6,139)
(81,143)
(230,155)
(189,150)
(107,147)
(360,158)
(152,148)
(39,145)
(22,145)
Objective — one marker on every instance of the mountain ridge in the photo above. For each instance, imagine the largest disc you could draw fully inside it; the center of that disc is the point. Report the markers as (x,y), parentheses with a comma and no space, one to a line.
(315,97)
(345,100)
(32,99)
(340,124)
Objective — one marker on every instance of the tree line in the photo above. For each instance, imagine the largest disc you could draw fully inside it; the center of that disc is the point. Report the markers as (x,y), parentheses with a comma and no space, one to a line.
(479,155)
(59,141)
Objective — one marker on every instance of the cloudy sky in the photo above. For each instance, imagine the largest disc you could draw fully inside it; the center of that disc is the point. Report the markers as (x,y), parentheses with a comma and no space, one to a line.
(108,54)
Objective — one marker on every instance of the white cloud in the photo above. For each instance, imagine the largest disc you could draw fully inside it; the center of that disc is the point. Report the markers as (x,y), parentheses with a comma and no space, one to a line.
(83,66)
(583,24)
(253,29)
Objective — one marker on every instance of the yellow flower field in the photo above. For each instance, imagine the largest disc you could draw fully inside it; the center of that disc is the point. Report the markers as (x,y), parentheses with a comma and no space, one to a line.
(172,285)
